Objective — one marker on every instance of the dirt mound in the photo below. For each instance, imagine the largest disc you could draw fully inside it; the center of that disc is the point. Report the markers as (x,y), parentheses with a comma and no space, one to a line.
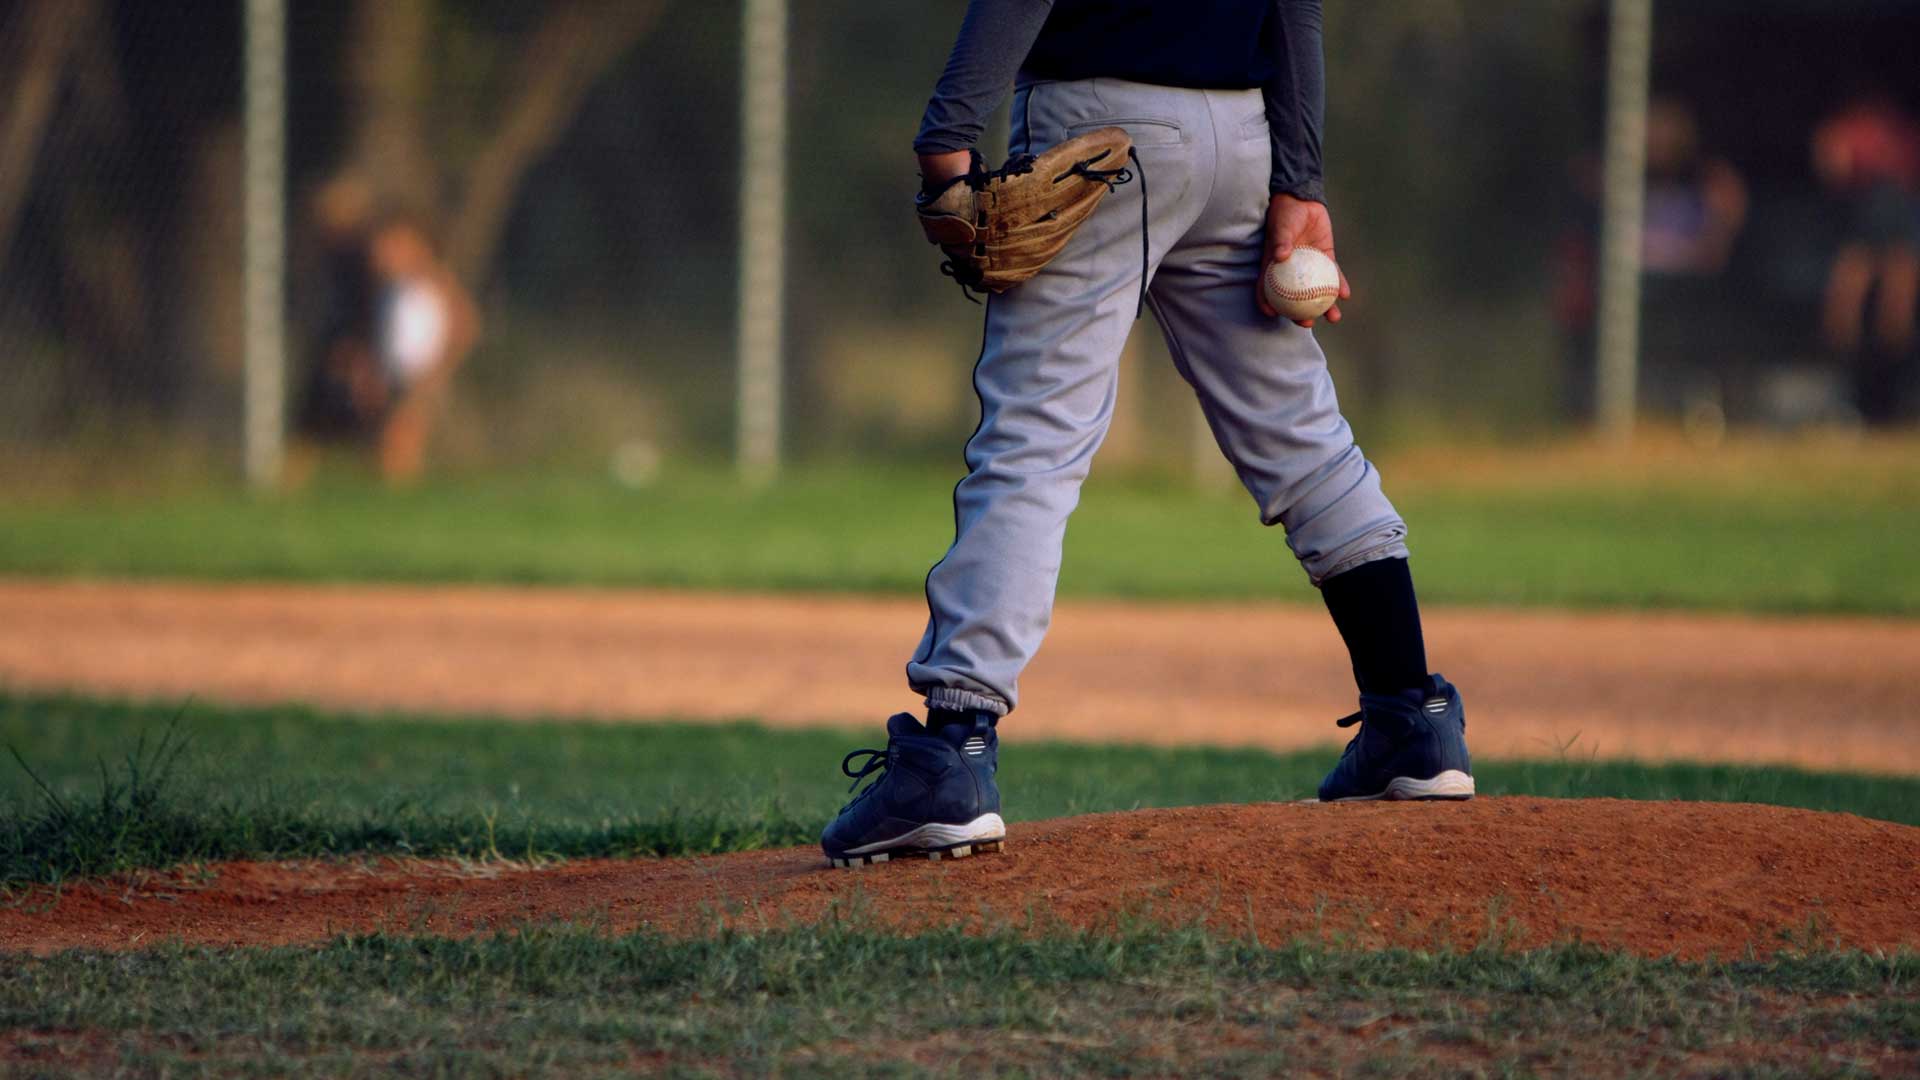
(1691,879)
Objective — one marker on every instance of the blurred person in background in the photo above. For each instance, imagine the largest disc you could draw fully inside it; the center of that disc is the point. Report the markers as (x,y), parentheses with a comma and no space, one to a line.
(343,393)
(1867,154)
(1696,206)
(395,326)
(425,325)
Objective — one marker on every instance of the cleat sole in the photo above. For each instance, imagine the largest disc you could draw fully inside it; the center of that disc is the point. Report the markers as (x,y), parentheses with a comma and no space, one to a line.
(990,836)
(855,862)
(1451,786)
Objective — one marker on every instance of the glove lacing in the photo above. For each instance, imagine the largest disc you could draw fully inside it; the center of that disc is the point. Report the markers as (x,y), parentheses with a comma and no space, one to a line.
(979,177)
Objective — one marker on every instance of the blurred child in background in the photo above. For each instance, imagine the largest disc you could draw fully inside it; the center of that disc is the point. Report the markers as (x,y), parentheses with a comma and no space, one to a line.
(395,325)
(1868,155)
(425,324)
(1696,207)
(343,390)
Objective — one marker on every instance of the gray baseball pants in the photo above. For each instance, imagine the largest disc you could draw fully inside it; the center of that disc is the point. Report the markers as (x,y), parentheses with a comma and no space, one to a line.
(1049,368)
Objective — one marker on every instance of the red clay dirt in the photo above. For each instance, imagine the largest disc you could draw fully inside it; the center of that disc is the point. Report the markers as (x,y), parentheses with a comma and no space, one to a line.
(1817,692)
(1685,879)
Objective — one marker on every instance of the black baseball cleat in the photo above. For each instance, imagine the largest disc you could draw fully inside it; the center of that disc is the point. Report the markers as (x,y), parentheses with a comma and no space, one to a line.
(935,795)
(1411,745)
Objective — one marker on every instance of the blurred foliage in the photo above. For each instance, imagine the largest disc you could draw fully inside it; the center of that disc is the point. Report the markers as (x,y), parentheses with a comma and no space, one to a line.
(1451,127)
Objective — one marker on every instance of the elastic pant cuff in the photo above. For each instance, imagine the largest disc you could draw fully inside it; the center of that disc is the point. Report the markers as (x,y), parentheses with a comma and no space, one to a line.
(1394,547)
(950,697)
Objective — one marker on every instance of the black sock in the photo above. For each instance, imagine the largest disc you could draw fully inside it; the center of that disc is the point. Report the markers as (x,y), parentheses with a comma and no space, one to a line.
(939,718)
(1379,619)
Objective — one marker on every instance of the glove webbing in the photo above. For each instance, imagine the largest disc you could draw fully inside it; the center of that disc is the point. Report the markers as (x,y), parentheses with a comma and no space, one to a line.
(1020,165)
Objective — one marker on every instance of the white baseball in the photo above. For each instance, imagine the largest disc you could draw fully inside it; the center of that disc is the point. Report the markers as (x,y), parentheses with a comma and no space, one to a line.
(1302,287)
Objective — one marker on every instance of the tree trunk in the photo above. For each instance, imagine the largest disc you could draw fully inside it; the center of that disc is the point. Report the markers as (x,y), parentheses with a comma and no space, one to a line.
(391,147)
(389,88)
(34,45)
(569,53)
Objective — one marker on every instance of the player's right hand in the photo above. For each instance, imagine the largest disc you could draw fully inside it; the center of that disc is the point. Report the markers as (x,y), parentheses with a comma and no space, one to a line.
(1293,223)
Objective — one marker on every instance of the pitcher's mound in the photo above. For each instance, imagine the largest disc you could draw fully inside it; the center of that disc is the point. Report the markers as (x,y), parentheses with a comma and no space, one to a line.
(1691,879)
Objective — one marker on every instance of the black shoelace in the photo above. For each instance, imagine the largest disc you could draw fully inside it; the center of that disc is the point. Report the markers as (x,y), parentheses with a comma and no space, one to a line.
(877,761)
(1347,722)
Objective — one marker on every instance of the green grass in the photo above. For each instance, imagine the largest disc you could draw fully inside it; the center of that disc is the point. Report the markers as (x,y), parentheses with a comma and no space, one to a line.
(286,782)
(110,786)
(833,1000)
(1752,536)
(130,785)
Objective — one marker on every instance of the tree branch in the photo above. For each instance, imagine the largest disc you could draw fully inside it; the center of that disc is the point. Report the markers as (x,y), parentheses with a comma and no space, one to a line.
(33,51)
(566,56)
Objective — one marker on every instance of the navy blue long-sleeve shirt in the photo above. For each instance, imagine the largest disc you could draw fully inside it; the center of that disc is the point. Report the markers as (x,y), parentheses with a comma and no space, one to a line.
(1211,44)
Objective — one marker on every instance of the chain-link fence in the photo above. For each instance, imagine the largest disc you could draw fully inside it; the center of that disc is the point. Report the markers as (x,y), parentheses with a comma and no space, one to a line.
(554,185)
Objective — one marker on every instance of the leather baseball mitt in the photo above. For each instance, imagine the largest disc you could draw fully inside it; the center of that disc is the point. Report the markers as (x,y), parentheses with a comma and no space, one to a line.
(999,228)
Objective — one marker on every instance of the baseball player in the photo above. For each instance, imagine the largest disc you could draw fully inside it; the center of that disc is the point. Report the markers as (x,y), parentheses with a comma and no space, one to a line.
(1213,173)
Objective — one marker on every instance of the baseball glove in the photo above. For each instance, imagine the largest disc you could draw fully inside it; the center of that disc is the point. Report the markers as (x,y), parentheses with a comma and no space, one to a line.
(999,228)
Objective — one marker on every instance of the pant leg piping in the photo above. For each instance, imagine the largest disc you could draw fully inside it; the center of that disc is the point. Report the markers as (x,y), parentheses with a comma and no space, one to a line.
(966,459)
(1146,251)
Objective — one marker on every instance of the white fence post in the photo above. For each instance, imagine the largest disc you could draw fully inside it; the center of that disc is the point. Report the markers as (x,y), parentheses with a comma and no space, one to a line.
(265,241)
(763,223)
(1617,350)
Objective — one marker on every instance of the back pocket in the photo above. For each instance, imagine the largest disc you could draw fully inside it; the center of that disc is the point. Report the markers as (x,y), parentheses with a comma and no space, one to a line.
(1143,130)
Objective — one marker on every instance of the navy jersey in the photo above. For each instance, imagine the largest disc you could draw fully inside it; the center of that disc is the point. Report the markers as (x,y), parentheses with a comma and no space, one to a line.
(1207,44)
(1200,44)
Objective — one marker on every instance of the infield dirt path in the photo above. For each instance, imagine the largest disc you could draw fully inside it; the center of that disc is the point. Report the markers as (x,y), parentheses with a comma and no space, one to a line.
(1814,691)
(1688,879)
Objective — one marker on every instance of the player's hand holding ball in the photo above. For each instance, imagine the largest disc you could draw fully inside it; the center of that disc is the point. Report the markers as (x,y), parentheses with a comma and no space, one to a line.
(1299,278)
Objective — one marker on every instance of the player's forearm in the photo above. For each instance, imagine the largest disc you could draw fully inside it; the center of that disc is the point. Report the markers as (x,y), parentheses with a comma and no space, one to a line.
(1296,99)
(994,37)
